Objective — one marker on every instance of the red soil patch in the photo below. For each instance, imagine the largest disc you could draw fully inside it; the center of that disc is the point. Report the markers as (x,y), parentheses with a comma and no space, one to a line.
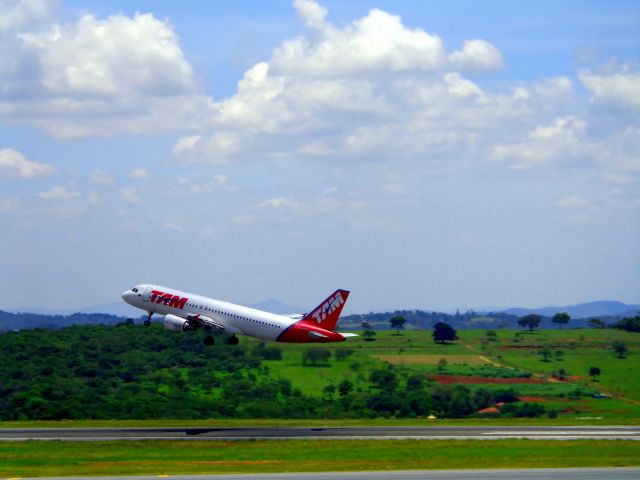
(476,380)
(531,398)
(538,347)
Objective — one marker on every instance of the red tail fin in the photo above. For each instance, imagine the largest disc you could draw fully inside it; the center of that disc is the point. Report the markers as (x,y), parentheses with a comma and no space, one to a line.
(327,313)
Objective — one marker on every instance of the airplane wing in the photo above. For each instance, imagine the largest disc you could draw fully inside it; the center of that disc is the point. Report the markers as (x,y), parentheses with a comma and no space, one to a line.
(206,322)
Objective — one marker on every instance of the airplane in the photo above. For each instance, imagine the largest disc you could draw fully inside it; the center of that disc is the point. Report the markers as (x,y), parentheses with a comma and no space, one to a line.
(185,311)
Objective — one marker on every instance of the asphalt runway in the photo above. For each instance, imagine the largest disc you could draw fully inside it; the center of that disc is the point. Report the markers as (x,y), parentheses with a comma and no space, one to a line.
(346,433)
(511,474)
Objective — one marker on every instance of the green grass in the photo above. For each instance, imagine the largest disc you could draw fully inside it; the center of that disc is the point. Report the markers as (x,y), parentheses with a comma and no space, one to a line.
(173,458)
(582,349)
(415,352)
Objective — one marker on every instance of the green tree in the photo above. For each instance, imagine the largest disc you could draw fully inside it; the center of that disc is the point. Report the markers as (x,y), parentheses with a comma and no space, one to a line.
(384,379)
(316,356)
(343,353)
(369,335)
(345,387)
(491,335)
(545,353)
(561,318)
(594,372)
(443,332)
(630,324)
(397,322)
(596,323)
(620,349)
(530,321)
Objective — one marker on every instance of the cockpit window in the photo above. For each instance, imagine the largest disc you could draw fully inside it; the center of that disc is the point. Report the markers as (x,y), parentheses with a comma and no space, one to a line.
(134,290)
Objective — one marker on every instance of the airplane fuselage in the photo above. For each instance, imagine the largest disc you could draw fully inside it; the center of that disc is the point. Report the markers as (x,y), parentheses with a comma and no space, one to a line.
(186,311)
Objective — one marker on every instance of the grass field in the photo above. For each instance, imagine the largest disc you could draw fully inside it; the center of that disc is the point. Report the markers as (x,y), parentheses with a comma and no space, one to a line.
(34,459)
(515,353)
(431,359)
(513,358)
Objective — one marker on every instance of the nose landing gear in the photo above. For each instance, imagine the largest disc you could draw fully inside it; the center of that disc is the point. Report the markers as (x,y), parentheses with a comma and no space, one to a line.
(147,322)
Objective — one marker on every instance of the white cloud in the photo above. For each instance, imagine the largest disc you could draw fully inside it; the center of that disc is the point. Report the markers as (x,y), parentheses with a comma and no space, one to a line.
(311,13)
(563,140)
(130,194)
(572,201)
(15,164)
(18,14)
(377,42)
(98,77)
(618,90)
(477,56)
(173,227)
(371,88)
(208,232)
(116,56)
(216,183)
(100,177)
(59,193)
(139,174)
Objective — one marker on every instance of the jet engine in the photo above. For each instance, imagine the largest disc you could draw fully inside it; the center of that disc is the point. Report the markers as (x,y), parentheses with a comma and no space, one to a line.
(177,324)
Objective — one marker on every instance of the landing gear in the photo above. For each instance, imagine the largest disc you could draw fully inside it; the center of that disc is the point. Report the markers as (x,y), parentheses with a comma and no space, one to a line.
(232,340)
(147,322)
(208,341)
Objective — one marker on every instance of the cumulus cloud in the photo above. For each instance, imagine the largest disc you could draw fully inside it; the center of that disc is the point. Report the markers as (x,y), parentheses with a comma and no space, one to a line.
(217,183)
(562,140)
(477,56)
(115,56)
(99,77)
(130,194)
(15,164)
(374,85)
(173,227)
(100,177)
(59,193)
(377,42)
(139,174)
(613,86)
(572,201)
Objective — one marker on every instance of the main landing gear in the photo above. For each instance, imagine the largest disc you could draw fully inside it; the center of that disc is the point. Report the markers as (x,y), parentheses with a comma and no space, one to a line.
(147,322)
(232,340)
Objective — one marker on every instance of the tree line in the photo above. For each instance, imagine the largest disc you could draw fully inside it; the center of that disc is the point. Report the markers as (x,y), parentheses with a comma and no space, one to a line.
(131,372)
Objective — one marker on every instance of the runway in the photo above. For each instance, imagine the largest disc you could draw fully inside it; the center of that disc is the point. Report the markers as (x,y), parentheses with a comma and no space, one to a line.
(499,474)
(329,433)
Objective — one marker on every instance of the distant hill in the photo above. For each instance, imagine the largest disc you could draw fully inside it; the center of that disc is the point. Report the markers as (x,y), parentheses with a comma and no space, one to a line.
(603,308)
(123,309)
(118,312)
(120,309)
(18,321)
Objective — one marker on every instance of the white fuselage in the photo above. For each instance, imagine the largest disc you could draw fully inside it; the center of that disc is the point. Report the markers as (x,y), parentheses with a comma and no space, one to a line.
(236,319)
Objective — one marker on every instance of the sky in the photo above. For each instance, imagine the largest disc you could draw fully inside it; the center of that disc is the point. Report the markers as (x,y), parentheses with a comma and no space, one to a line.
(435,155)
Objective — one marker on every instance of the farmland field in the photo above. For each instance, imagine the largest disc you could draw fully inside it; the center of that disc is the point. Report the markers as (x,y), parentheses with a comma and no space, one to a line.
(512,360)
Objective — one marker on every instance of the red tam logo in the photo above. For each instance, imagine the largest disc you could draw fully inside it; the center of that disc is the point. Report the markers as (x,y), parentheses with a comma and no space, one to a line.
(171,300)
(320,314)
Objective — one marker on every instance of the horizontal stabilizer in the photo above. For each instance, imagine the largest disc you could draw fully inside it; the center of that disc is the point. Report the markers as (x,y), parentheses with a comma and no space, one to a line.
(346,335)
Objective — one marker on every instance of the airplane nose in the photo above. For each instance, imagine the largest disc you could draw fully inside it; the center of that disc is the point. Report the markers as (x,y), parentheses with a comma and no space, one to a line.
(126,296)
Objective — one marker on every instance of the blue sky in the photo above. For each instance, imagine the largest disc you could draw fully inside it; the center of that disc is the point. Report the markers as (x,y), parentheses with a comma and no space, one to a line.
(421,154)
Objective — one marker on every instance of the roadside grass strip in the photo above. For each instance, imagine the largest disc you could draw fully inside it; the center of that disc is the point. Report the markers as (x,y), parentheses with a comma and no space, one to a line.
(33,459)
